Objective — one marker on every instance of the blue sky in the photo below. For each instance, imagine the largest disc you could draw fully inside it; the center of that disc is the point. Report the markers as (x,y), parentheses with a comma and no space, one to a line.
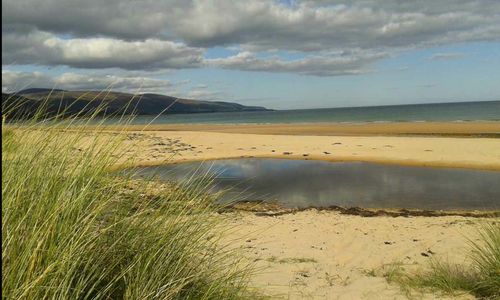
(265,53)
(408,77)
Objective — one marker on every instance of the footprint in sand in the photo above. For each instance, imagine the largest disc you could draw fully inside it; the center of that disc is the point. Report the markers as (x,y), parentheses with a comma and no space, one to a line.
(287,153)
(337,144)
(325,152)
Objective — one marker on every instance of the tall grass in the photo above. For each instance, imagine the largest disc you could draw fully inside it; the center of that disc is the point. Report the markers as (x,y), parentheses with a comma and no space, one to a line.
(480,277)
(73,230)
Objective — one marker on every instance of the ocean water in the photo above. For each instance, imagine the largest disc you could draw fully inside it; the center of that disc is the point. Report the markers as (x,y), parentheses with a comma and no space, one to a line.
(309,183)
(465,111)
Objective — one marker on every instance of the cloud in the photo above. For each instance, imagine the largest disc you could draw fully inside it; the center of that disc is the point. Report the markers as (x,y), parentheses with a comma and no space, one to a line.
(174,34)
(325,65)
(183,82)
(428,85)
(266,24)
(201,86)
(14,81)
(204,94)
(44,48)
(446,56)
(122,19)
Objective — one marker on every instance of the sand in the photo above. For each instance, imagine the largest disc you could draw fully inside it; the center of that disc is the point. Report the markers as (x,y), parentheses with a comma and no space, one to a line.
(476,128)
(324,254)
(158,147)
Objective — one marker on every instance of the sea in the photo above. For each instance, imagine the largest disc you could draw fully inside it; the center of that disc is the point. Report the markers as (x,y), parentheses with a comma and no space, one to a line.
(440,112)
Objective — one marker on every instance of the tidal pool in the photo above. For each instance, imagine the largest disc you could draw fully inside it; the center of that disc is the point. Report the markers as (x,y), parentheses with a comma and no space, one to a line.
(308,183)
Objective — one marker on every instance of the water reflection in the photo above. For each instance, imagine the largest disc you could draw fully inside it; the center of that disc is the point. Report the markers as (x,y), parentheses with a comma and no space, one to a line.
(300,183)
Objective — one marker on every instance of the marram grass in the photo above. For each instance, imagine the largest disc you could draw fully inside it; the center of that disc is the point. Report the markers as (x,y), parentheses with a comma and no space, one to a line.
(71,229)
(479,277)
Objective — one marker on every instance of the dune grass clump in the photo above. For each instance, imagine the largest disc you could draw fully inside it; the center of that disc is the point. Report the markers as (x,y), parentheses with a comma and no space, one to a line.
(72,229)
(481,277)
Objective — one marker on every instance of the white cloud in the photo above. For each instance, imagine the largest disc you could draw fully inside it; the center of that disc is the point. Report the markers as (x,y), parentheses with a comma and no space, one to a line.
(174,34)
(204,94)
(44,48)
(325,65)
(201,86)
(446,56)
(14,81)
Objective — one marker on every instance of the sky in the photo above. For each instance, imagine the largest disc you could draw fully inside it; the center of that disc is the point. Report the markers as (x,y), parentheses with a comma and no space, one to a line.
(277,54)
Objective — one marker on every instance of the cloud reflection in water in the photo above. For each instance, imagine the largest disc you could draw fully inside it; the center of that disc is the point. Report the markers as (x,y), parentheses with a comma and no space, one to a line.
(301,183)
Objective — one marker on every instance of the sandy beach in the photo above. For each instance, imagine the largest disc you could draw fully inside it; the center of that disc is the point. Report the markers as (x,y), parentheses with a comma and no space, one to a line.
(476,128)
(313,141)
(315,254)
(250,150)
(326,255)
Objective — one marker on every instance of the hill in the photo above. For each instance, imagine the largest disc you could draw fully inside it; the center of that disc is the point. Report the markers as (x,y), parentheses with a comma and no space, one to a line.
(72,102)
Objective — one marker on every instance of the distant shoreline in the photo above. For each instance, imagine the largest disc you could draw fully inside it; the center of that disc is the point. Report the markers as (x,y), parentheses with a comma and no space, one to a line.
(443,112)
(396,105)
(487,129)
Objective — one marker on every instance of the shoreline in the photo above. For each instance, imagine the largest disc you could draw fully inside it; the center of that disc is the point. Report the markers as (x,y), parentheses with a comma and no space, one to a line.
(174,147)
(334,252)
(487,129)
(270,209)
(161,147)
(403,163)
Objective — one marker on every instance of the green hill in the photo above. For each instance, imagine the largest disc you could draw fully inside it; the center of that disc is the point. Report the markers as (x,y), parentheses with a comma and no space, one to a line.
(72,102)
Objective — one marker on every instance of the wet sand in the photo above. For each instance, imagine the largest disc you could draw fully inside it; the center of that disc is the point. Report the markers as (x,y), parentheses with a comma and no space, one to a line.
(463,129)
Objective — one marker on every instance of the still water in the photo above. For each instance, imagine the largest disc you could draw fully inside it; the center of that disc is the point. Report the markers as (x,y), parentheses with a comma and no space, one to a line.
(304,183)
